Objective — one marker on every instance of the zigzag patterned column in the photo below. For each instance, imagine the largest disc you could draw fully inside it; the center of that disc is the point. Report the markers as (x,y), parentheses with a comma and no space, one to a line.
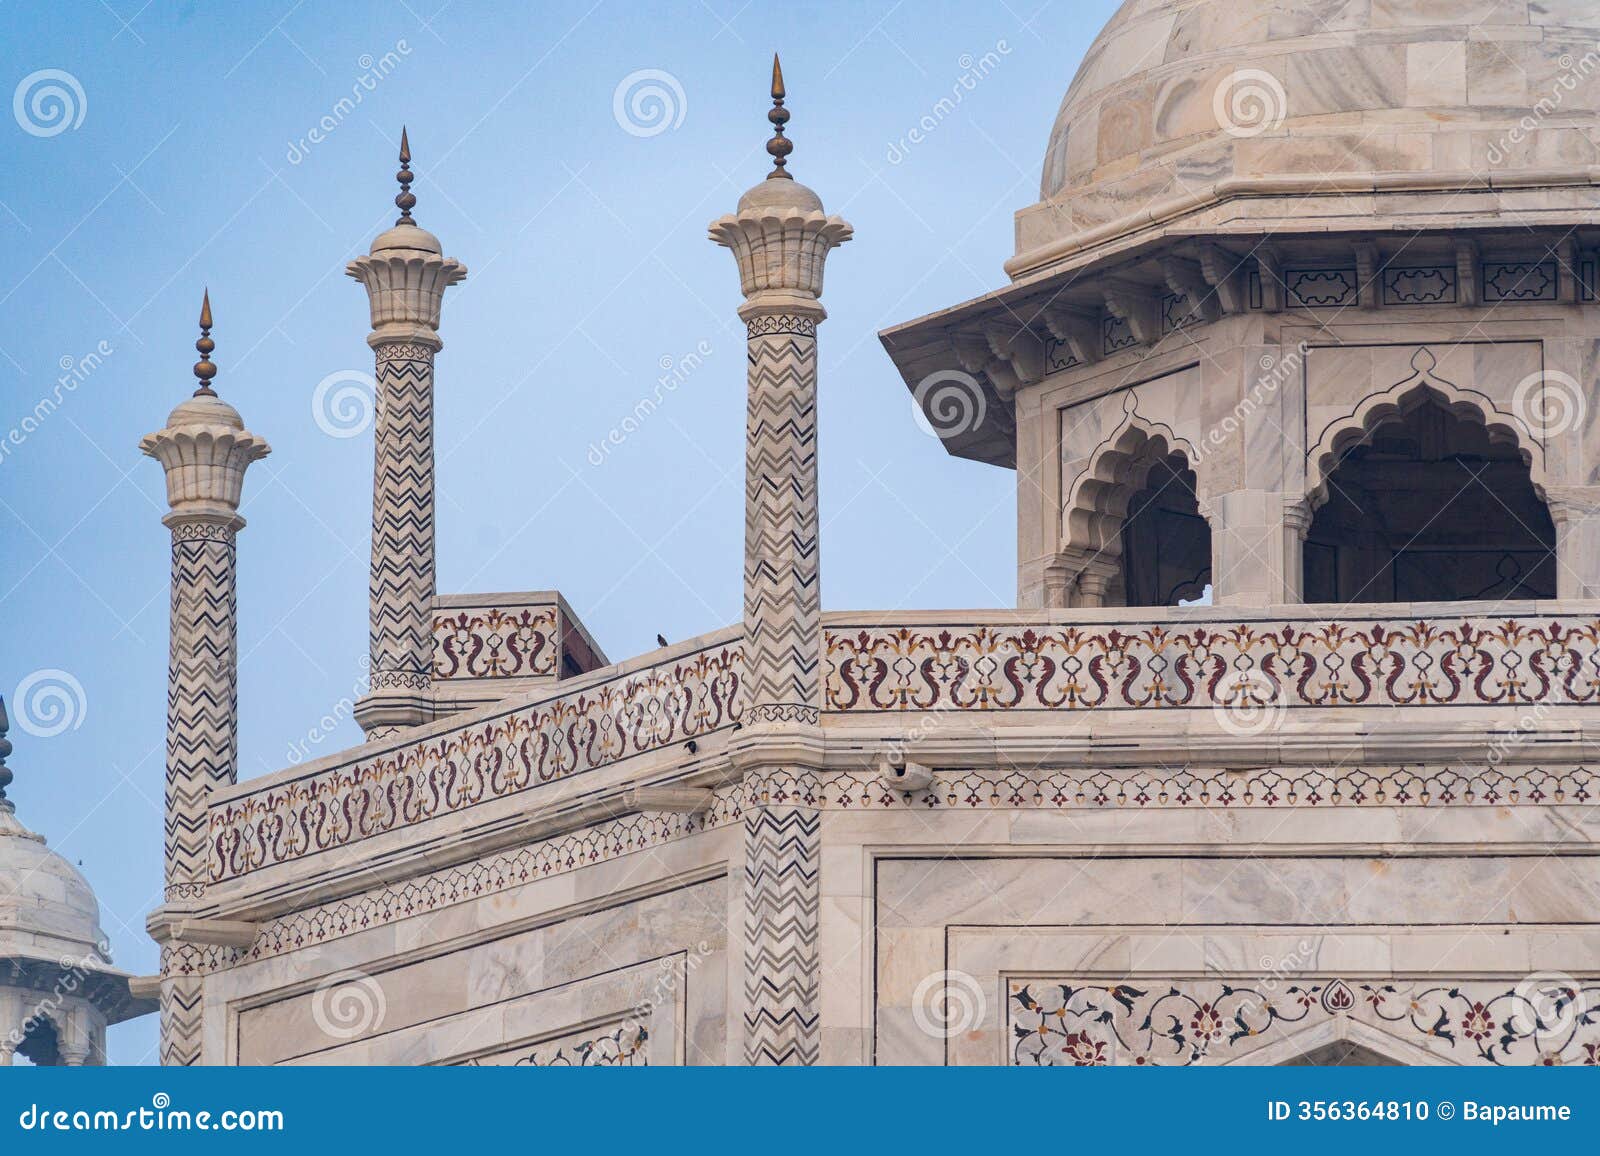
(205,451)
(782,898)
(782,591)
(401,583)
(781,238)
(405,275)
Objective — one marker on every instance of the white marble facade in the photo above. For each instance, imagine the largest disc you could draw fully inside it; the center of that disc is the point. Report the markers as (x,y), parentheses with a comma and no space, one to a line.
(1259,830)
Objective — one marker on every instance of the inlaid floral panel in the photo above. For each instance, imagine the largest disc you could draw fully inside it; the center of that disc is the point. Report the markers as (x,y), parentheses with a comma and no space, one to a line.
(1063,1022)
(496,642)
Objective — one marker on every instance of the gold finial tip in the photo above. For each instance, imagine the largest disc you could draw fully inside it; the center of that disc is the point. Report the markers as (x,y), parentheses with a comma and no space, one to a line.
(779,147)
(405,200)
(204,371)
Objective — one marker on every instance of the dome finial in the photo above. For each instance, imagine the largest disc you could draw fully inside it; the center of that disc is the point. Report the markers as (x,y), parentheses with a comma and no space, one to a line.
(406,200)
(779,146)
(203,369)
(5,749)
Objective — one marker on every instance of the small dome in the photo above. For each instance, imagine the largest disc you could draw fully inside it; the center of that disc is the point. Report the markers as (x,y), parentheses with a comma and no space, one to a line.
(47,909)
(780,193)
(1175,96)
(408,237)
(203,410)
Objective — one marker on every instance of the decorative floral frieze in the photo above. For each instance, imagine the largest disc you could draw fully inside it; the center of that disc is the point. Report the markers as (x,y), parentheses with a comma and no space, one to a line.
(1064,1022)
(496,642)
(516,751)
(1233,666)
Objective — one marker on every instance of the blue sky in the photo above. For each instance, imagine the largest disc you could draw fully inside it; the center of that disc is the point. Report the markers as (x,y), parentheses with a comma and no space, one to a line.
(187,159)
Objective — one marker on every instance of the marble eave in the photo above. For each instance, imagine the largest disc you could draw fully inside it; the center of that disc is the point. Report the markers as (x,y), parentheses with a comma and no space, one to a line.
(931,344)
(103,986)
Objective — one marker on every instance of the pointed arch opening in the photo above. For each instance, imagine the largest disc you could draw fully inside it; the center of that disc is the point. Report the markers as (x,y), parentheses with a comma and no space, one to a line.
(1135,534)
(1427,501)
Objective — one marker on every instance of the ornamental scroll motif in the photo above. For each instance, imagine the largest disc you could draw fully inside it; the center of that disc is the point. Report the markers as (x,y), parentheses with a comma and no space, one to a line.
(495,642)
(1549,1020)
(1475,662)
(520,750)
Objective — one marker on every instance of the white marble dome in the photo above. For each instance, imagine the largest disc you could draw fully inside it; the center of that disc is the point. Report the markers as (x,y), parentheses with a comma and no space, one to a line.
(47,909)
(1175,96)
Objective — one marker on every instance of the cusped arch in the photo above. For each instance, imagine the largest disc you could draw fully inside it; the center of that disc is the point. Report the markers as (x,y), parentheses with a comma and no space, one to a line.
(1097,504)
(1341,436)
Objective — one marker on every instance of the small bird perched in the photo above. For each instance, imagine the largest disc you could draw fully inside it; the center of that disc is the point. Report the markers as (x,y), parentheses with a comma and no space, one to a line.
(661,640)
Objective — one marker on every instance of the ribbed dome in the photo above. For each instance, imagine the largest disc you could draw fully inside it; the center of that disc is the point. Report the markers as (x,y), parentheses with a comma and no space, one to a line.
(1177,95)
(47,909)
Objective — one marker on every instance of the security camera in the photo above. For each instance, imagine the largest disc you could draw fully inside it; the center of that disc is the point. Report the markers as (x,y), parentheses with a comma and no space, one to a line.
(904,776)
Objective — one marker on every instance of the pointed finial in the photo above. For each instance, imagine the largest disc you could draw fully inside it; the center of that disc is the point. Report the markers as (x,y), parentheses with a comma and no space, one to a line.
(405,199)
(5,749)
(203,369)
(779,146)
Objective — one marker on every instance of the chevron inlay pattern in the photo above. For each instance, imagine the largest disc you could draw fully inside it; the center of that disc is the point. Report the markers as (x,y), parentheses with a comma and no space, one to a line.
(782,595)
(182,1000)
(401,584)
(782,897)
(202,728)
